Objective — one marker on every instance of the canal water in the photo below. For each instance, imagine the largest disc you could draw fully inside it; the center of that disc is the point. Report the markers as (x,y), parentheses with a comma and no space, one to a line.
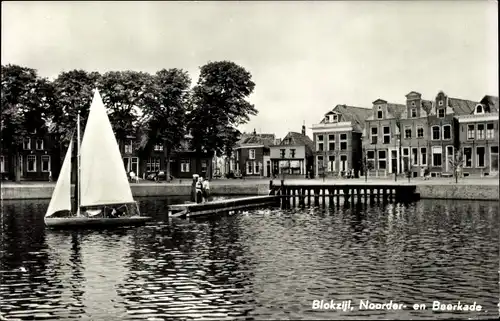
(255,265)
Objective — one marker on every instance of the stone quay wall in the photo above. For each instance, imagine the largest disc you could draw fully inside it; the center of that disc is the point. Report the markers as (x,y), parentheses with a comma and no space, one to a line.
(426,191)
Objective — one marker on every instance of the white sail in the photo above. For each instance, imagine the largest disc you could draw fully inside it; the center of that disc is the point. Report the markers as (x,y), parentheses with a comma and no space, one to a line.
(102,173)
(61,197)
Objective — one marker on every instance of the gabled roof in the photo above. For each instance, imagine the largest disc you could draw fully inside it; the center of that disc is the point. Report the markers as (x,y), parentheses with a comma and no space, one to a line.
(297,139)
(491,102)
(356,115)
(379,101)
(462,106)
(413,93)
(256,139)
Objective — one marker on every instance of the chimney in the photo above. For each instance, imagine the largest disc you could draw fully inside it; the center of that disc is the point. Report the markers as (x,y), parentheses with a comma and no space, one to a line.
(304,130)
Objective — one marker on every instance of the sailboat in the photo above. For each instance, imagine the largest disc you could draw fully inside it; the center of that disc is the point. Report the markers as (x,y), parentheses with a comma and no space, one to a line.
(103,197)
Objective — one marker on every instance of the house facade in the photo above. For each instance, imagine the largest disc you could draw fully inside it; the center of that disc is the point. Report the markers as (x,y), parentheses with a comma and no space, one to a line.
(293,155)
(36,159)
(478,137)
(337,140)
(381,138)
(252,154)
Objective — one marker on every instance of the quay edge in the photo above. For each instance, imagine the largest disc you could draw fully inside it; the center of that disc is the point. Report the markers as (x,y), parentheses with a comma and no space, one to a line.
(485,192)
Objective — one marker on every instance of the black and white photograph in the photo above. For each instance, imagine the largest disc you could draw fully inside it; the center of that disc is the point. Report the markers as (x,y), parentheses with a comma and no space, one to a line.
(249,160)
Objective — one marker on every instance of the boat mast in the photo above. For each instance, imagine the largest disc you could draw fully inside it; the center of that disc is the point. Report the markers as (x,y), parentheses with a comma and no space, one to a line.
(78,165)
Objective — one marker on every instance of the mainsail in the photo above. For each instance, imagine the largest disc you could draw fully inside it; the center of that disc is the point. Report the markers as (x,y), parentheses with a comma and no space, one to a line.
(102,173)
(61,197)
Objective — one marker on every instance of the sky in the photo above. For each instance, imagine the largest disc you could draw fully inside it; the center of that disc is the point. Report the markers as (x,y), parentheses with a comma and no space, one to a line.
(304,57)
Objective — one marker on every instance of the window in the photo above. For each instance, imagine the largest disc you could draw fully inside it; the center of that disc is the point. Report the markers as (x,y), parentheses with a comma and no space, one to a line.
(153,165)
(185,165)
(204,165)
(380,115)
(494,158)
(159,147)
(128,148)
(251,154)
(479,109)
(437,152)
(282,153)
(2,164)
(387,135)
(343,141)
(370,159)
(320,163)
(414,156)
(480,152)
(447,132)
(407,131)
(374,135)
(334,117)
(413,112)
(449,156)
(420,131)
(331,163)
(470,132)
(467,157)
(382,162)
(480,131)
(413,103)
(436,133)
(440,112)
(490,131)
(31,159)
(249,168)
(440,103)
(39,144)
(343,162)
(320,143)
(257,168)
(292,153)
(45,163)
(27,144)
(423,156)
(406,151)
(331,142)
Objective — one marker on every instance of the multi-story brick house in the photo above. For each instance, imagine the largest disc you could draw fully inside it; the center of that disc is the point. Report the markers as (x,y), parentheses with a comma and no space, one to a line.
(381,140)
(478,137)
(36,159)
(338,140)
(293,155)
(252,154)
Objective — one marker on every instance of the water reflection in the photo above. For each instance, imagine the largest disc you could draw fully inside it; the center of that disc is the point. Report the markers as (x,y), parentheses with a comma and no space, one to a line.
(259,264)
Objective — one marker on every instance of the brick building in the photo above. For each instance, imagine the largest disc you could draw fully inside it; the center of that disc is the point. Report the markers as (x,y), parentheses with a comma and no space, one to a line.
(252,154)
(293,155)
(381,140)
(338,140)
(36,159)
(478,137)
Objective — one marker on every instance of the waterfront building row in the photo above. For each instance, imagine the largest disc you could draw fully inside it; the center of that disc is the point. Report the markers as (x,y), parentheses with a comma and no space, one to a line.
(391,138)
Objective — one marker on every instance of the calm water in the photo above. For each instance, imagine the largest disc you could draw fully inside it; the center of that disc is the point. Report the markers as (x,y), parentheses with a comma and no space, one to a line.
(261,264)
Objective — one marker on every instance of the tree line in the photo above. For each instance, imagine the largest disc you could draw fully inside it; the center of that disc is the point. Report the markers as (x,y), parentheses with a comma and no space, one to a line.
(158,108)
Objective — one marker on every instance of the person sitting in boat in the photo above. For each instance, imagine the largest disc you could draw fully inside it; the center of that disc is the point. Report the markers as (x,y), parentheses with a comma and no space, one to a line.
(199,188)
(205,190)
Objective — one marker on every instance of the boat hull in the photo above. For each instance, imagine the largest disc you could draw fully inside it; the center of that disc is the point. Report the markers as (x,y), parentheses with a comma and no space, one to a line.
(99,222)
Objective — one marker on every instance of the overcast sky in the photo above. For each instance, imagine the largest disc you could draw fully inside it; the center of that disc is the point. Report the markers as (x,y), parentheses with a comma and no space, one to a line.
(305,57)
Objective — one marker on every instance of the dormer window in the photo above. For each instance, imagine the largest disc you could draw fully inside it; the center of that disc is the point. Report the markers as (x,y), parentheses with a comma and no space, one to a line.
(334,118)
(413,112)
(440,112)
(380,114)
(479,109)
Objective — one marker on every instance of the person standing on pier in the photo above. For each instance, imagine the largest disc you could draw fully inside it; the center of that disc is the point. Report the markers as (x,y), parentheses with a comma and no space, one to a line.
(193,188)
(205,190)
(199,187)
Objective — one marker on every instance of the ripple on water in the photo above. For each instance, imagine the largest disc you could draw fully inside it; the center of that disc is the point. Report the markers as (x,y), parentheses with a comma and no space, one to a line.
(262,264)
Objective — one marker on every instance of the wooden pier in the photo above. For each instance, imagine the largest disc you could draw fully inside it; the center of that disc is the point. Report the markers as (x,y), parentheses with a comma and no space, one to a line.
(197,209)
(323,194)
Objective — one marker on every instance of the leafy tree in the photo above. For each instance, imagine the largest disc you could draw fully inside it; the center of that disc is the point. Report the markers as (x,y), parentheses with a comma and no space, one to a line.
(122,94)
(166,99)
(25,98)
(219,105)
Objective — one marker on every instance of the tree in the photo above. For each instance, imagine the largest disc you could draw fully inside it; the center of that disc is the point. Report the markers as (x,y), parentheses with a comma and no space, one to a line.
(25,100)
(457,163)
(219,105)
(165,103)
(398,114)
(122,94)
